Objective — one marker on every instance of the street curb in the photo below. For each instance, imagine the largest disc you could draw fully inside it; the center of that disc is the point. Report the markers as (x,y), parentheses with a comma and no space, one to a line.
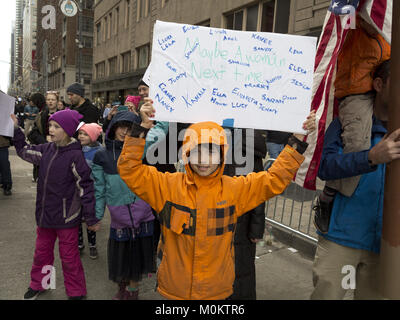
(293,240)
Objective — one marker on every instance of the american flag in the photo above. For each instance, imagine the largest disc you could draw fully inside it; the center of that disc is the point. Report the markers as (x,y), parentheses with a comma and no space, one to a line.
(337,23)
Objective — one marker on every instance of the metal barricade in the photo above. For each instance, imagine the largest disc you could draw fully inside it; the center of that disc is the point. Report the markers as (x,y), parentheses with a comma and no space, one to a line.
(292,211)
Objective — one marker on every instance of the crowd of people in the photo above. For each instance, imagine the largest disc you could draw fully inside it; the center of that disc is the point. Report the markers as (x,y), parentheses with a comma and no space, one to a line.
(198,226)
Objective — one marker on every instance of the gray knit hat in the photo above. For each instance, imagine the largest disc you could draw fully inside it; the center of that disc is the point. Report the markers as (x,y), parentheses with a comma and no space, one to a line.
(77,88)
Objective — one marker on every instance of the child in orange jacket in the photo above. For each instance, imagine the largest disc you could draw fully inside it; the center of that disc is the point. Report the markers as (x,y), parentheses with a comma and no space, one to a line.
(198,210)
(363,51)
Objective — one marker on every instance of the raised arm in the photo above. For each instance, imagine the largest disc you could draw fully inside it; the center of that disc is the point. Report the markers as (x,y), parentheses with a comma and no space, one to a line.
(145,181)
(256,188)
(30,153)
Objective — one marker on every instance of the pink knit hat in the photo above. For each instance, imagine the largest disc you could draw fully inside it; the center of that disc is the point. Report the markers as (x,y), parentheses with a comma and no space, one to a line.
(134,99)
(93,130)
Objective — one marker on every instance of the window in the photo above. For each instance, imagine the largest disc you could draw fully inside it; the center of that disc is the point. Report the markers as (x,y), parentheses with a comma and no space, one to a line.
(105,29)
(265,16)
(127,13)
(206,23)
(112,66)
(87,24)
(126,62)
(87,61)
(88,4)
(252,18)
(116,20)
(87,42)
(110,26)
(143,8)
(142,57)
(234,21)
(267,24)
(98,33)
(100,70)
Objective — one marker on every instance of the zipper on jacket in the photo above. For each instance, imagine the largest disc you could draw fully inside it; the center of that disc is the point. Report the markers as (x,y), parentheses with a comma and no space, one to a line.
(65,208)
(380,46)
(45,185)
(130,215)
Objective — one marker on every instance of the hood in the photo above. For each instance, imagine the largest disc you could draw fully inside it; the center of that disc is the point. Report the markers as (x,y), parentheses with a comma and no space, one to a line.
(204,133)
(121,116)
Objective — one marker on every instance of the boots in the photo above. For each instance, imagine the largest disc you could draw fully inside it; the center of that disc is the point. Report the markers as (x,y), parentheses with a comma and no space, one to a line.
(129,295)
(122,288)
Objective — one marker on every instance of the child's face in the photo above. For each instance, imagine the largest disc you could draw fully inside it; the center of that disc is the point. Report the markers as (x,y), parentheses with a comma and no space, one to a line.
(51,101)
(131,106)
(143,91)
(57,133)
(121,133)
(84,138)
(205,159)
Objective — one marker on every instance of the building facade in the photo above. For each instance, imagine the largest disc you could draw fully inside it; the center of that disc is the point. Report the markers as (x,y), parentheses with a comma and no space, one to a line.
(11,88)
(29,72)
(64,55)
(124,28)
(17,62)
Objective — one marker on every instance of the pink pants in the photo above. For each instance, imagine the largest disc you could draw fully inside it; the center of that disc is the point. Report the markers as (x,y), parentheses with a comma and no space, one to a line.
(74,276)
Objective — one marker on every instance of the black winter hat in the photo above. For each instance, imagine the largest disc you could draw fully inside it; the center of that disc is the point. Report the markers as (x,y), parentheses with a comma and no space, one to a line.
(77,88)
(142,83)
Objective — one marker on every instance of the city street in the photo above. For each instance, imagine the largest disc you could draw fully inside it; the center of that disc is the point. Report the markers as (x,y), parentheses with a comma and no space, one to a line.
(281,273)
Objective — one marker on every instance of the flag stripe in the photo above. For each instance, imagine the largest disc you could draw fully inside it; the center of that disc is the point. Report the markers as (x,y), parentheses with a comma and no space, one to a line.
(378,11)
(326,37)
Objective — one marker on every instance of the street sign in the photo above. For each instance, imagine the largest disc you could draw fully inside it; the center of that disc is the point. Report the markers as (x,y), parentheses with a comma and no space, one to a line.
(69,8)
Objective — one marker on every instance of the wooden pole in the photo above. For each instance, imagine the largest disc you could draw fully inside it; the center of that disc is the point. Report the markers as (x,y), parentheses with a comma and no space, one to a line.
(389,271)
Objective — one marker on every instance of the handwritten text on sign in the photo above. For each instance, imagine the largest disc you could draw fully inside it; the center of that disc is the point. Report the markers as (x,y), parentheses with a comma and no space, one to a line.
(242,79)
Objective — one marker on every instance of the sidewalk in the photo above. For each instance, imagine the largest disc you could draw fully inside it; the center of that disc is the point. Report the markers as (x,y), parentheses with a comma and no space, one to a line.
(281,273)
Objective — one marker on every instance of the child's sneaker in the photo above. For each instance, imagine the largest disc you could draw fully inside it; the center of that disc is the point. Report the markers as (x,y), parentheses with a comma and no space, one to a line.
(322,215)
(81,247)
(92,253)
(32,294)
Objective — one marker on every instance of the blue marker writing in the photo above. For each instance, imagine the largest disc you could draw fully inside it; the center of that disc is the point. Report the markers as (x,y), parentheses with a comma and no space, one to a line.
(166,42)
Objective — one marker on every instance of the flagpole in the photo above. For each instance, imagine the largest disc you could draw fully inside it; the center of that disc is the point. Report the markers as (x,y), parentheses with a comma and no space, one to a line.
(389,275)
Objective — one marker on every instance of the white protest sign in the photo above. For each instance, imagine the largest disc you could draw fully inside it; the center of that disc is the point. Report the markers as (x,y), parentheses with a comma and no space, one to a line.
(235,78)
(7,106)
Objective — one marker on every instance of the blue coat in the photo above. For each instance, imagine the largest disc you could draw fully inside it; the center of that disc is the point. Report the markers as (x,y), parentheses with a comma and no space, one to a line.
(356,221)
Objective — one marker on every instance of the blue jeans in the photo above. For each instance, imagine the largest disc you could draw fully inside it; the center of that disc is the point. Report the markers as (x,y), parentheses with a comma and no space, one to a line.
(274,149)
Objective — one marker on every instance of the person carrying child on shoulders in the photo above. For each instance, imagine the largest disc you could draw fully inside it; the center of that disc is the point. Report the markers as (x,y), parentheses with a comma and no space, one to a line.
(363,51)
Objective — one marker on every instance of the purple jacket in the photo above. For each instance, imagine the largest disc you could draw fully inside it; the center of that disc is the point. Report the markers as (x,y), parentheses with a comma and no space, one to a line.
(65,190)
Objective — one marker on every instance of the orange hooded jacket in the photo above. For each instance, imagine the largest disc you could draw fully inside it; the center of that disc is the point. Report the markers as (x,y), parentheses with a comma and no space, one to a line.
(360,56)
(198,215)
